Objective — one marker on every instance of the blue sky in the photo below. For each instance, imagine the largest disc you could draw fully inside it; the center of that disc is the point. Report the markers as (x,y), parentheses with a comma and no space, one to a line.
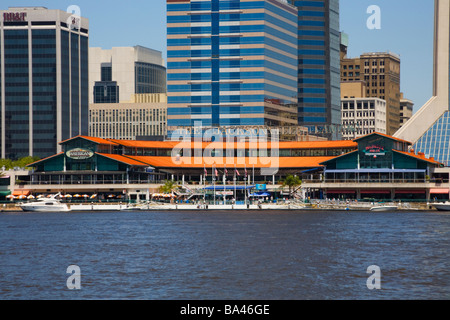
(406,29)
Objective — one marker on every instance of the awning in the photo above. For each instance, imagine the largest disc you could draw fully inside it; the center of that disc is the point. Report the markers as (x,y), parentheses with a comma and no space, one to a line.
(377,171)
(341,191)
(5,193)
(411,191)
(230,187)
(439,191)
(264,194)
(21,192)
(376,191)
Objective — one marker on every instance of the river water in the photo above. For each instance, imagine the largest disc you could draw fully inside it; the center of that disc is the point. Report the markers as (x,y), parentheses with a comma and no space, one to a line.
(225,255)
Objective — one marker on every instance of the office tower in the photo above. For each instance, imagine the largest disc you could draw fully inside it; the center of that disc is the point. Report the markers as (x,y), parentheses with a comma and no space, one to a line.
(319,105)
(429,128)
(381,73)
(232,63)
(128,93)
(145,116)
(119,73)
(362,116)
(406,109)
(44,80)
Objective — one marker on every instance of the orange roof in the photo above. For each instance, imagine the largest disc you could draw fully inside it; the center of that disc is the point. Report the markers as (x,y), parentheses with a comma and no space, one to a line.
(123,159)
(235,145)
(384,135)
(419,156)
(230,163)
(93,139)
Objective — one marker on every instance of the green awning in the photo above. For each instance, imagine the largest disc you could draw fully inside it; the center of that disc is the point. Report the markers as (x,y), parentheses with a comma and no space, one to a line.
(5,193)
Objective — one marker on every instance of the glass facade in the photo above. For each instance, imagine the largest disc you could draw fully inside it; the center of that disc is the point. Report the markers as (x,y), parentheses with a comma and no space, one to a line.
(319,66)
(17,90)
(34,97)
(150,78)
(106,92)
(435,142)
(235,63)
(44,91)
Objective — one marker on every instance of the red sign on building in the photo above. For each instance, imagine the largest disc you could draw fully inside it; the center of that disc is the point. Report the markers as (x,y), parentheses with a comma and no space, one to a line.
(14,16)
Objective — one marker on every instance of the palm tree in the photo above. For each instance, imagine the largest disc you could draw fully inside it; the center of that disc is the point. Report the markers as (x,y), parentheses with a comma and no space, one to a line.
(168,187)
(292,182)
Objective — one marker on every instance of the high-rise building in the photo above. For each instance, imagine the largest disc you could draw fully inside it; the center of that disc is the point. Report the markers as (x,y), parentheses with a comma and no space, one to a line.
(406,109)
(362,116)
(146,116)
(44,80)
(381,73)
(319,106)
(117,74)
(232,63)
(429,128)
(128,93)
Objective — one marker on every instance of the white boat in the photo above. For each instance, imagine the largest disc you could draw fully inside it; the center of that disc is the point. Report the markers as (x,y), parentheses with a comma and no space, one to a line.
(445,206)
(384,208)
(45,205)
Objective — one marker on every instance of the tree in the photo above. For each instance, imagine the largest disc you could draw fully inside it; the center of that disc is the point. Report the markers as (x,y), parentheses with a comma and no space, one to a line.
(22,163)
(292,182)
(168,187)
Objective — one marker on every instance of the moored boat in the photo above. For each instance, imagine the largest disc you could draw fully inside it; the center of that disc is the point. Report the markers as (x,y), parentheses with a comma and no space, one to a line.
(45,205)
(445,206)
(384,208)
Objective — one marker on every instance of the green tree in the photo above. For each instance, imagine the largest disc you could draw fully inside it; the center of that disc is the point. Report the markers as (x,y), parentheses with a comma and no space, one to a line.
(168,187)
(292,182)
(9,164)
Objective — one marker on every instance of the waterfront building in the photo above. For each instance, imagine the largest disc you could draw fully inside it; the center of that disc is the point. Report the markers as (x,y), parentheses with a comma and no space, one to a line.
(231,63)
(361,116)
(381,168)
(319,106)
(90,165)
(118,74)
(129,121)
(43,80)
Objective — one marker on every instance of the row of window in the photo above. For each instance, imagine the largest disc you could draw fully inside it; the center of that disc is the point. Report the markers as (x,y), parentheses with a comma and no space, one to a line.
(127,115)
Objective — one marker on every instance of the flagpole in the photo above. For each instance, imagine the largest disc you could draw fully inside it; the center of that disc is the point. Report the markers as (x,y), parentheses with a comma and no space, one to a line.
(224,180)
(204,184)
(235,183)
(245,191)
(253,174)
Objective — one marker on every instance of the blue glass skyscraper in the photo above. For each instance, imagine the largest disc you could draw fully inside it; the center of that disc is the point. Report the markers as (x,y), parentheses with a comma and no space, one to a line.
(319,66)
(232,63)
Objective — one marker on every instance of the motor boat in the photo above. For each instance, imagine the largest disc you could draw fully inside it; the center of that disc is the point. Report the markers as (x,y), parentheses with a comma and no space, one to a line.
(45,205)
(443,206)
(384,208)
